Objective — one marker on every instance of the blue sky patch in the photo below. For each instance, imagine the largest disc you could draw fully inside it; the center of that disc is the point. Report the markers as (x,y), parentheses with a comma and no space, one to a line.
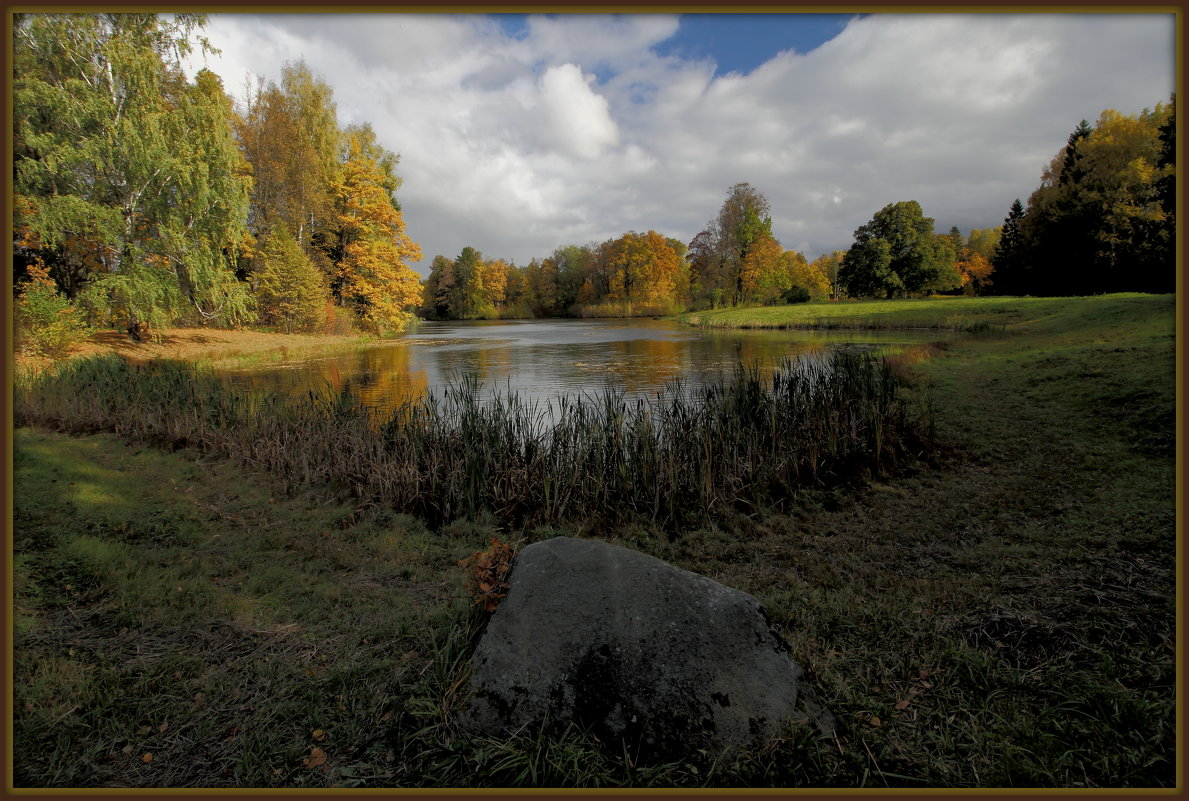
(742,42)
(736,42)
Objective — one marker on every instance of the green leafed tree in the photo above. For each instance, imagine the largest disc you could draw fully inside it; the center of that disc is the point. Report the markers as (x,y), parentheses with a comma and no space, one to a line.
(896,254)
(130,182)
(291,292)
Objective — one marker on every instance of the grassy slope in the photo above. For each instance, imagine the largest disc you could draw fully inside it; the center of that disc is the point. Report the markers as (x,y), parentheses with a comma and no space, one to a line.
(1002,617)
(1031,578)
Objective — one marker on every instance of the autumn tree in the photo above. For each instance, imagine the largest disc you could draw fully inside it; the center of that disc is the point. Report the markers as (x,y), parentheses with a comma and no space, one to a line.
(126,175)
(290,134)
(564,274)
(983,241)
(829,265)
(763,274)
(493,278)
(540,287)
(1097,222)
(643,270)
(46,323)
(973,259)
(518,300)
(805,279)
(372,274)
(717,255)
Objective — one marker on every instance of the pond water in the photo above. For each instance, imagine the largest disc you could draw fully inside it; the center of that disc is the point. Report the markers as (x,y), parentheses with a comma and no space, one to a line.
(542,359)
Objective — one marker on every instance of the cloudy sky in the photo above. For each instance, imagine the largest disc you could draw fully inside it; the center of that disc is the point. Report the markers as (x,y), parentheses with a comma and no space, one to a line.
(518,134)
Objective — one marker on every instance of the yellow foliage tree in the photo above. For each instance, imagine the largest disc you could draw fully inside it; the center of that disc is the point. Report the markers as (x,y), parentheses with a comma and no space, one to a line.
(643,268)
(975,270)
(493,276)
(760,275)
(373,276)
(806,276)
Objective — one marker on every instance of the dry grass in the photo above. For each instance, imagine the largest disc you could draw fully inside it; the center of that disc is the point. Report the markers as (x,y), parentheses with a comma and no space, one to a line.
(203,345)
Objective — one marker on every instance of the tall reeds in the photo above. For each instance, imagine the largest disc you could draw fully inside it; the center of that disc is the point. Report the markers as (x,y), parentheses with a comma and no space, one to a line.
(677,457)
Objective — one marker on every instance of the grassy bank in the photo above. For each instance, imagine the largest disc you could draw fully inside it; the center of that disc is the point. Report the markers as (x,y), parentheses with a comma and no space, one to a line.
(1004,617)
(967,314)
(214,346)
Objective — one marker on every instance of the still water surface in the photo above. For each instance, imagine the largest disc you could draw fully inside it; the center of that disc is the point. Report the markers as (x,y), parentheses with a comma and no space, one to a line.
(542,359)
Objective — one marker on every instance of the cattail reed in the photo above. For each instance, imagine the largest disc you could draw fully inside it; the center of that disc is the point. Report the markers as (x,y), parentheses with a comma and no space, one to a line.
(678,457)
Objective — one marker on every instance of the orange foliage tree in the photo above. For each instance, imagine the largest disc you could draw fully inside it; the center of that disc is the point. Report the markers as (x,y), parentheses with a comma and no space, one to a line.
(643,268)
(373,276)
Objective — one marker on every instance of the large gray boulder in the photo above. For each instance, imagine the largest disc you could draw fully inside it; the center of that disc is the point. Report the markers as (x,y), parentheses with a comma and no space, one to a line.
(637,651)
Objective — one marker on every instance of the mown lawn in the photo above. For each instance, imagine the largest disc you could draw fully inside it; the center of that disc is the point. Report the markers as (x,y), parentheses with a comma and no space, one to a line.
(1000,614)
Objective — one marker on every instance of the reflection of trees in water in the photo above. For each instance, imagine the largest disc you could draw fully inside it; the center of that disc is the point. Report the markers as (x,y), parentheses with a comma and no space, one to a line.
(649,358)
(720,355)
(384,377)
(389,377)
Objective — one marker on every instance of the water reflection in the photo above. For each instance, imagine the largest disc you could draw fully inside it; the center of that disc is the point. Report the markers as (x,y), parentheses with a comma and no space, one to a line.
(543,359)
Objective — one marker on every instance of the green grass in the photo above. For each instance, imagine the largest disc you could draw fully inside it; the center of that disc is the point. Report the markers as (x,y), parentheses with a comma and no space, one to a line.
(977,314)
(1002,616)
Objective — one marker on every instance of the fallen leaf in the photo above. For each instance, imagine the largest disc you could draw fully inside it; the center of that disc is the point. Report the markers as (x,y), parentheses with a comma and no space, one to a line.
(317,757)
(163,727)
(902,705)
(319,735)
(874,721)
(147,758)
(386,716)
(143,730)
(127,749)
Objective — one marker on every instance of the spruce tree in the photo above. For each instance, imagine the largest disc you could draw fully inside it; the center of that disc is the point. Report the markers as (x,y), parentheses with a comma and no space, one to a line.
(1008,259)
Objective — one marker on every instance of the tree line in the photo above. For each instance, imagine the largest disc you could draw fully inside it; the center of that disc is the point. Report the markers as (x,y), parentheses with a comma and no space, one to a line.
(145,199)
(1104,216)
(734,261)
(1102,220)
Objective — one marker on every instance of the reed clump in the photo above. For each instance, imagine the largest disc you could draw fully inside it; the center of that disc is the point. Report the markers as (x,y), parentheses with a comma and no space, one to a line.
(681,456)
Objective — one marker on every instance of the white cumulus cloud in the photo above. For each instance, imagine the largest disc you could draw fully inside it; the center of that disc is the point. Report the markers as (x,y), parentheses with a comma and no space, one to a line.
(578,117)
(575,130)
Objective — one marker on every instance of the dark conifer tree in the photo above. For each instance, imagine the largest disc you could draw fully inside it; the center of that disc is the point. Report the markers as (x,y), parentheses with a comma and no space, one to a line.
(1011,271)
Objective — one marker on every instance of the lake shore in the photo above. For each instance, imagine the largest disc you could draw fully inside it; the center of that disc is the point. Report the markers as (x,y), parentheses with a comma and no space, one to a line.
(1001,615)
(207,345)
